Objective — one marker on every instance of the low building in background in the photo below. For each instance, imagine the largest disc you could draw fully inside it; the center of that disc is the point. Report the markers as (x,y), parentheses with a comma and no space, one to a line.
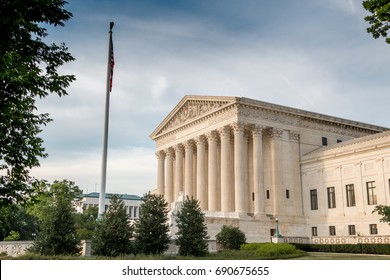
(132,203)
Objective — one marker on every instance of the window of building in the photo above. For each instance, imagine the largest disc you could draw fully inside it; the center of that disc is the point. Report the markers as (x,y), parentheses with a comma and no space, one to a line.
(331,197)
(350,189)
(324,141)
(339,141)
(313,200)
(267,194)
(287,193)
(373,229)
(371,195)
(332,230)
(314,231)
(351,230)
(253,196)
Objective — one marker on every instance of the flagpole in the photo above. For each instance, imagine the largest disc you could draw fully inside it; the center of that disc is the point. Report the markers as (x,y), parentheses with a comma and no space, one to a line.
(102,194)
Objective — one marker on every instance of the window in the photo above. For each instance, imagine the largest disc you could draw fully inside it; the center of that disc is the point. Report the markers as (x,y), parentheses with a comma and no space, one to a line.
(350,195)
(373,229)
(332,230)
(339,141)
(324,141)
(313,200)
(287,193)
(314,231)
(267,194)
(130,210)
(351,230)
(331,198)
(371,195)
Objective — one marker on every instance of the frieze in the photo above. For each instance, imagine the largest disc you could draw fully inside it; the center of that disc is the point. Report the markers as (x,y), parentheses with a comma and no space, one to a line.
(298,121)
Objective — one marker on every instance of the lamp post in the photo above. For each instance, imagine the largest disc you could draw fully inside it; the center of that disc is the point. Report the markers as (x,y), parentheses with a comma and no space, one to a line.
(277,233)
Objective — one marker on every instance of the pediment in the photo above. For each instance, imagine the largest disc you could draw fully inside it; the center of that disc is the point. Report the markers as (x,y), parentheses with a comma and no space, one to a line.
(189,109)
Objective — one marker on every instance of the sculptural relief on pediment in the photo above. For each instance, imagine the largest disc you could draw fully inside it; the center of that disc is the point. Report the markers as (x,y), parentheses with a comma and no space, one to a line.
(192,109)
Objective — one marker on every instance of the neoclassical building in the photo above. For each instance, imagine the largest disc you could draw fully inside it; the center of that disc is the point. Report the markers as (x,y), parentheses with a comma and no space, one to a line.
(249,162)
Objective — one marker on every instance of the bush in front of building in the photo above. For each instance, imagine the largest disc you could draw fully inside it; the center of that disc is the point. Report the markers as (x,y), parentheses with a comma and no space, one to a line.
(272,250)
(230,238)
(113,233)
(378,249)
(152,229)
(192,230)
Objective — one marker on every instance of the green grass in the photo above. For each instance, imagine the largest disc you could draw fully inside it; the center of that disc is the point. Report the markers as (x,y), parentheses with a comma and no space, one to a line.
(341,256)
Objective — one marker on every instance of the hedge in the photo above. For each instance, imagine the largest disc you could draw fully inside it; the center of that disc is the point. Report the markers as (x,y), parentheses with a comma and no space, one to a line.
(378,249)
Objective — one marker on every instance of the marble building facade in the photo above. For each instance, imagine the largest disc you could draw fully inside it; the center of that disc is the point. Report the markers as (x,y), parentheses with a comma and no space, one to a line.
(243,159)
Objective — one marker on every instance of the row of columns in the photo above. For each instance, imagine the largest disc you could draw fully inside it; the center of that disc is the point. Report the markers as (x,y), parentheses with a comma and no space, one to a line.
(213,167)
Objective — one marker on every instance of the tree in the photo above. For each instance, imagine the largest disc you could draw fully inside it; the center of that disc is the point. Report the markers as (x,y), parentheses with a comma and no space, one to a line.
(230,238)
(379,18)
(152,230)
(15,218)
(28,70)
(384,211)
(56,217)
(86,223)
(113,232)
(192,230)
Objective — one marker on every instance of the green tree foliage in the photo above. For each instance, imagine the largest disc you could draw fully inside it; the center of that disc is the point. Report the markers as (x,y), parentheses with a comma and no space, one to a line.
(86,223)
(152,230)
(192,230)
(384,211)
(15,218)
(379,19)
(56,216)
(230,238)
(28,70)
(113,232)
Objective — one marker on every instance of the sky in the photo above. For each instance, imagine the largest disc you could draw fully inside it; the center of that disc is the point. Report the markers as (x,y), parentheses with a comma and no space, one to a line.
(310,55)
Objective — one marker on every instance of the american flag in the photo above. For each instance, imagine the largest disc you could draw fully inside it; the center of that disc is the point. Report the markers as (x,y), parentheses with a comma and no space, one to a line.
(112,62)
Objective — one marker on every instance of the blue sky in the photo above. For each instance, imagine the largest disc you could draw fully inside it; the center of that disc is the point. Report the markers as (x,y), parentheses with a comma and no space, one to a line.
(311,55)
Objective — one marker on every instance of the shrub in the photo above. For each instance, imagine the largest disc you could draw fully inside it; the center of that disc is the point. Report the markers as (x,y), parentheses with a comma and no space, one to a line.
(230,238)
(272,250)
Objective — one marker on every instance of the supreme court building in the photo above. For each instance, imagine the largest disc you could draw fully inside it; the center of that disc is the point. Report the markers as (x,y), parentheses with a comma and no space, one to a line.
(250,162)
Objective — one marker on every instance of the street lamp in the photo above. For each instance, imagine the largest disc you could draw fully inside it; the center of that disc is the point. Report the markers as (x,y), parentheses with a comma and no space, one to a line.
(277,233)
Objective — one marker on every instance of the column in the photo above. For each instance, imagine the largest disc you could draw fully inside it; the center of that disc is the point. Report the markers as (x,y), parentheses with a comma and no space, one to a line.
(179,152)
(201,180)
(160,172)
(239,168)
(277,169)
(258,175)
(212,138)
(227,190)
(169,175)
(189,175)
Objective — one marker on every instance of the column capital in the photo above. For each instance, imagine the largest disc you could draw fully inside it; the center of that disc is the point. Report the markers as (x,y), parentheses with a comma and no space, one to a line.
(201,140)
(257,130)
(189,145)
(169,152)
(294,136)
(238,127)
(225,131)
(179,148)
(212,135)
(275,132)
(160,154)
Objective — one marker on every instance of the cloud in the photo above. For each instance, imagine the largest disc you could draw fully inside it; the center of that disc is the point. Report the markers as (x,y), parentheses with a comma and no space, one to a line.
(129,170)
